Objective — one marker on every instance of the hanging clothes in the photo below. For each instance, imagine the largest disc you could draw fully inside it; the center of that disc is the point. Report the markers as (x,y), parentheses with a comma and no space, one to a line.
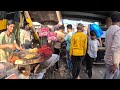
(1,28)
(3,20)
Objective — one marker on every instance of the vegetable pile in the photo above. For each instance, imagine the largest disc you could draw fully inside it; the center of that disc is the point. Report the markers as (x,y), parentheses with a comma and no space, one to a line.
(45,51)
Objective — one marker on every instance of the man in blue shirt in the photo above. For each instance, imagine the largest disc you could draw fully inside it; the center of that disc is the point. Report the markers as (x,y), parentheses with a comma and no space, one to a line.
(68,40)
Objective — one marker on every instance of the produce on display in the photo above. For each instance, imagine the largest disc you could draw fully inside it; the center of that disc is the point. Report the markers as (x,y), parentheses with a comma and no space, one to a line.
(34,50)
(19,61)
(45,51)
(30,56)
(12,58)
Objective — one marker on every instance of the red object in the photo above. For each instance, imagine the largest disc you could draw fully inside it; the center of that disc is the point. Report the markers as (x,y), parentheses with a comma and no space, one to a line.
(45,51)
(12,59)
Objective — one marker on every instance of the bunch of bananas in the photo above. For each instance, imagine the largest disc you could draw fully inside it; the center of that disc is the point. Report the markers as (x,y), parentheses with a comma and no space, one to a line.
(19,61)
(29,56)
(34,50)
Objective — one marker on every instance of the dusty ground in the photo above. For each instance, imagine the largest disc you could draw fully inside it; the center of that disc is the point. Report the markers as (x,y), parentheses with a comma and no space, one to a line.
(98,72)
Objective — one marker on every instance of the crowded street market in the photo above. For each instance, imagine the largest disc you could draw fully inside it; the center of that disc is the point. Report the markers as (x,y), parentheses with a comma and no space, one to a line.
(59,45)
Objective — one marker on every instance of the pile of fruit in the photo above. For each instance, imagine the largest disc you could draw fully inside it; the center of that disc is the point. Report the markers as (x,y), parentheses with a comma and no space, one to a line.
(34,50)
(34,55)
(29,56)
(12,59)
(45,51)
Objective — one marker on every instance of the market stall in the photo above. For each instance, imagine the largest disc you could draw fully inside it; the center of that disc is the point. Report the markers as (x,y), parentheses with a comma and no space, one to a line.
(24,64)
(20,64)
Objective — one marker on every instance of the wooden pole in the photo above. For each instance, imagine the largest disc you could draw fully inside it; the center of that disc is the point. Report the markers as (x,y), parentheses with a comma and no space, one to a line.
(59,16)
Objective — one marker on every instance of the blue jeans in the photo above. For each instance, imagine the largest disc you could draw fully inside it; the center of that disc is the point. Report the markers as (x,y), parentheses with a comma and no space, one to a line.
(109,75)
(69,63)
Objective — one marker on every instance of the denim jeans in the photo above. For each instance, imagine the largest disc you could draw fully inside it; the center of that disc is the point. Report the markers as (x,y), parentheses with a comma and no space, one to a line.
(109,75)
(69,63)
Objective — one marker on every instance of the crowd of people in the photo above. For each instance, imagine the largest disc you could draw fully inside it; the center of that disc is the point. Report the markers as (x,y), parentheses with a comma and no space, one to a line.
(76,48)
(79,46)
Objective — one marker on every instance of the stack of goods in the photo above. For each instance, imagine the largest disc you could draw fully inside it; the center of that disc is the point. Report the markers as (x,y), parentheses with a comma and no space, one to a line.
(43,33)
(45,51)
(31,56)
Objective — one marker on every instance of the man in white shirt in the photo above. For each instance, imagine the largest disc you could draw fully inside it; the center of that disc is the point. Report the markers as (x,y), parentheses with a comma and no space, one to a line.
(112,48)
(25,36)
(93,44)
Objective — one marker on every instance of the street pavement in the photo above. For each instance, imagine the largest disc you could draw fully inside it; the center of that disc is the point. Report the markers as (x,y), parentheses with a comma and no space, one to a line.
(97,70)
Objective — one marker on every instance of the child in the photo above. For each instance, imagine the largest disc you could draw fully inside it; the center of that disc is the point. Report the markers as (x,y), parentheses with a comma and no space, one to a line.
(93,44)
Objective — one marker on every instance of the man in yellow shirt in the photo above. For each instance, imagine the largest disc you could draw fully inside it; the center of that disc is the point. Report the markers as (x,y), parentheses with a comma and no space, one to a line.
(78,50)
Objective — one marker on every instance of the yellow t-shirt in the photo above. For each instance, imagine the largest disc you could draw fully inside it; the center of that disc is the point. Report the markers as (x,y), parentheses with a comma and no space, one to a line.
(78,44)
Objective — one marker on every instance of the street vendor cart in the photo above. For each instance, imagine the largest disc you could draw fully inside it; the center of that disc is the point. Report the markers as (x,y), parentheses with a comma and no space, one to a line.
(23,62)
